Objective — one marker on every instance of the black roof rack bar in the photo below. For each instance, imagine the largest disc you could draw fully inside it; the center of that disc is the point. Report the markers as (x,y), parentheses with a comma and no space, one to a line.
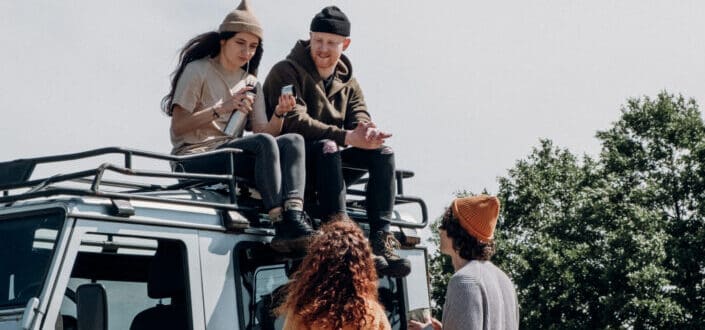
(125,184)
(42,187)
(399,176)
(122,170)
(118,195)
(144,187)
(97,174)
(53,179)
(127,152)
(401,199)
(128,155)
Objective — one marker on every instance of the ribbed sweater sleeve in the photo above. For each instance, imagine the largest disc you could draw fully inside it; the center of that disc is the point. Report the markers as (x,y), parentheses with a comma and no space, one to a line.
(465,306)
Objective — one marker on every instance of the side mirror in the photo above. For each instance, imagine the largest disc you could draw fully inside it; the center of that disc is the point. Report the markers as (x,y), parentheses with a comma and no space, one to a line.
(91,307)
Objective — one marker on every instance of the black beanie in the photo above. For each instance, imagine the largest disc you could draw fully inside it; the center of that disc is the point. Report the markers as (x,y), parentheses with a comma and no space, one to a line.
(331,20)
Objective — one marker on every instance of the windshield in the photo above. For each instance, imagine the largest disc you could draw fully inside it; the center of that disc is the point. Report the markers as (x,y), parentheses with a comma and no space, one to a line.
(27,244)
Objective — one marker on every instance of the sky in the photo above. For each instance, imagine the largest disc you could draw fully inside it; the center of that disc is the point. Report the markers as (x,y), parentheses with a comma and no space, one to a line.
(466,87)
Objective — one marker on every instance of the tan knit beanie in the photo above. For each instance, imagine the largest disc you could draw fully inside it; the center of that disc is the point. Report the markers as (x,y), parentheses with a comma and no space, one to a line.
(477,215)
(242,19)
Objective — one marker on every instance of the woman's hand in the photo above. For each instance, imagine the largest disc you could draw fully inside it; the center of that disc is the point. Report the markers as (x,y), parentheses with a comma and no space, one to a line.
(286,104)
(242,101)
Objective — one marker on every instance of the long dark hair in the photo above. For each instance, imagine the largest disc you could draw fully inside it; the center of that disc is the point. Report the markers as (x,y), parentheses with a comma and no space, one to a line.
(206,44)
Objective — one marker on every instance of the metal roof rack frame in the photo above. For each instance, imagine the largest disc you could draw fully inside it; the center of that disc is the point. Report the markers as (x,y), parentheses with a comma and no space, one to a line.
(15,175)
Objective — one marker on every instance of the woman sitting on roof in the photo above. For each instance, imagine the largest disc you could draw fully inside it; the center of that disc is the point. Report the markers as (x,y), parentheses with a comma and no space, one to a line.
(217,78)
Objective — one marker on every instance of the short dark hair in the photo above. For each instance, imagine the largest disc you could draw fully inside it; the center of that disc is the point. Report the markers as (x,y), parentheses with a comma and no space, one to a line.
(468,247)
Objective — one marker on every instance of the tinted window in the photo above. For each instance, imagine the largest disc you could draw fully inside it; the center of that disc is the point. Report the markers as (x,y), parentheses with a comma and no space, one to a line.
(27,245)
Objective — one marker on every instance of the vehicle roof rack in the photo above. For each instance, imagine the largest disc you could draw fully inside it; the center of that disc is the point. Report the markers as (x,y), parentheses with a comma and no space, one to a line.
(15,175)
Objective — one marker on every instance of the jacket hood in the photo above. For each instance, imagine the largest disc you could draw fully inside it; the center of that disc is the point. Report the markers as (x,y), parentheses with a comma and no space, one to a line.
(301,55)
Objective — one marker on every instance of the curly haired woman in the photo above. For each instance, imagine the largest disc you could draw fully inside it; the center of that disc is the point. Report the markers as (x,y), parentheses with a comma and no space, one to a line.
(336,284)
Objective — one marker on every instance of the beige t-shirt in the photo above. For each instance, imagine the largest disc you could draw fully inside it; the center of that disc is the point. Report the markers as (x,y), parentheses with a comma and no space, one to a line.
(203,84)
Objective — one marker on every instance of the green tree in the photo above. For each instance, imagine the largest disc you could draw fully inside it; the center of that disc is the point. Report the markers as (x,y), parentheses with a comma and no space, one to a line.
(549,240)
(610,242)
(655,154)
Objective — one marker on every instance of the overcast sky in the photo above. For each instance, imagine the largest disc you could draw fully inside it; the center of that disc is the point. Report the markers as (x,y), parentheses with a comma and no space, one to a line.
(466,87)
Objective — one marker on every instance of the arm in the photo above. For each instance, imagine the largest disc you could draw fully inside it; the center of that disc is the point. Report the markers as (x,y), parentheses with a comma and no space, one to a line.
(184,121)
(357,108)
(365,137)
(356,115)
(464,308)
(273,127)
(282,74)
(186,117)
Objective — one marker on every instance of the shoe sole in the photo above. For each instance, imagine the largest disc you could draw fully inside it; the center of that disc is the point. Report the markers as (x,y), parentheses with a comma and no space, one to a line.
(299,244)
(397,269)
(380,265)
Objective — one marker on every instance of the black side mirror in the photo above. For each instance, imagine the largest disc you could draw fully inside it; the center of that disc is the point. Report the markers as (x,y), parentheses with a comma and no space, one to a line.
(91,307)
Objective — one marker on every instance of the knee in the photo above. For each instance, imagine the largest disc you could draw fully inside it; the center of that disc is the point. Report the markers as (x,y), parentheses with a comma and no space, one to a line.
(291,141)
(328,147)
(266,143)
(265,139)
(385,157)
(387,151)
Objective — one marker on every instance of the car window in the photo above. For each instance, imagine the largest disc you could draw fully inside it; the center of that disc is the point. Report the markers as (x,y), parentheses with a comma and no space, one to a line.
(125,267)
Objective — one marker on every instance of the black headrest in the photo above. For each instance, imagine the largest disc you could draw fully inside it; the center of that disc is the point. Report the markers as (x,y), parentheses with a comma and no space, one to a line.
(167,271)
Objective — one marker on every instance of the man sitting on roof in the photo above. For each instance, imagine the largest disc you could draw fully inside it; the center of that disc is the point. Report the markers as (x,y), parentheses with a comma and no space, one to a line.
(331,113)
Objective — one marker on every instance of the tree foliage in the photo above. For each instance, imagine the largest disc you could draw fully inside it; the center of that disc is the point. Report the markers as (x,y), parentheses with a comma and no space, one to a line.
(615,241)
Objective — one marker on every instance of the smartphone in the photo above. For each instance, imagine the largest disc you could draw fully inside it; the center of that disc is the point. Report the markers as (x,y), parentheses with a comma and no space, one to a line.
(288,90)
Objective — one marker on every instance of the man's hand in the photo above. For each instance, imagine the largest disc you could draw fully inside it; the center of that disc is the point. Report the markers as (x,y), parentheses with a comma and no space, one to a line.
(429,324)
(366,136)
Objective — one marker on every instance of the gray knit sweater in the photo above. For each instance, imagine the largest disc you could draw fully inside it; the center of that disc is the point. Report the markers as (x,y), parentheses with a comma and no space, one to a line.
(480,296)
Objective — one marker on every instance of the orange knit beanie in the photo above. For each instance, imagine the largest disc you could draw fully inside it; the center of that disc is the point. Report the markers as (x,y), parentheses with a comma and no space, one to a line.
(477,215)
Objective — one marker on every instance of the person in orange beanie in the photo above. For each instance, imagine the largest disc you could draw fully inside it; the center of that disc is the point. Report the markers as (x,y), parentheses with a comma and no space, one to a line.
(479,295)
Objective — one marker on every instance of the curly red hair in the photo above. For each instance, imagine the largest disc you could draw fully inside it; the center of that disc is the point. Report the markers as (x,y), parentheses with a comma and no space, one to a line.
(336,280)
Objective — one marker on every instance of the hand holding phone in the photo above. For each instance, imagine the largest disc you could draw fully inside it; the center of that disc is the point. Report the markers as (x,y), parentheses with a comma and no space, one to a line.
(288,90)
(286,102)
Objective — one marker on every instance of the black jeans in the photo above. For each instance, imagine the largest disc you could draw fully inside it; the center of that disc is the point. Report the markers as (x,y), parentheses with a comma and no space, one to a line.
(326,180)
(275,164)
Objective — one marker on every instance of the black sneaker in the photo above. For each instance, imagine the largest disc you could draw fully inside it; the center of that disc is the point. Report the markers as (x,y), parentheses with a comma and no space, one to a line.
(381,264)
(293,233)
(383,245)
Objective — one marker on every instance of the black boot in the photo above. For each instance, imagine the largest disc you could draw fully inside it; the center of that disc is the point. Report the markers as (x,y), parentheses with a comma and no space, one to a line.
(386,261)
(381,264)
(293,233)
